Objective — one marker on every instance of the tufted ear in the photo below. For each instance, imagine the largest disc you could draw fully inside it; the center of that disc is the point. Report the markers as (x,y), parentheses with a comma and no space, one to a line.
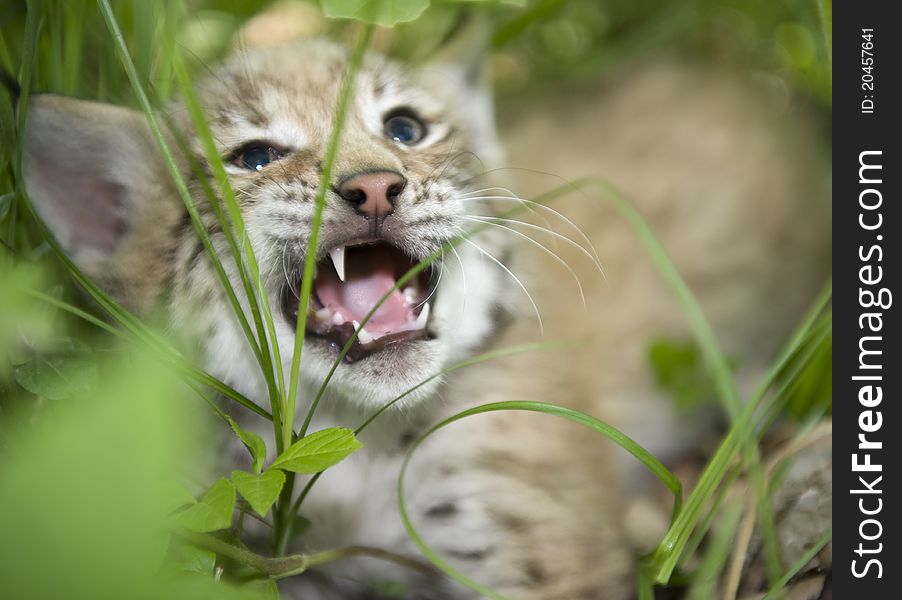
(460,70)
(94,175)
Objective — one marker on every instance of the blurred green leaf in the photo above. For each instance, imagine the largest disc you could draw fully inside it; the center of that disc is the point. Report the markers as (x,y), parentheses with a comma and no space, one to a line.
(6,202)
(197,560)
(380,12)
(67,371)
(175,495)
(253,442)
(318,451)
(21,319)
(299,526)
(83,505)
(679,369)
(260,490)
(213,511)
(267,589)
(389,589)
(811,392)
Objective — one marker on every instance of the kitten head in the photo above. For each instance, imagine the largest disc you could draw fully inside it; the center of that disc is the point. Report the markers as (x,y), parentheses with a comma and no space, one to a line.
(412,145)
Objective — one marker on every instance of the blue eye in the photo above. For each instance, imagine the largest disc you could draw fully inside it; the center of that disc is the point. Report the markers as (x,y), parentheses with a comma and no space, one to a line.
(404,128)
(256,156)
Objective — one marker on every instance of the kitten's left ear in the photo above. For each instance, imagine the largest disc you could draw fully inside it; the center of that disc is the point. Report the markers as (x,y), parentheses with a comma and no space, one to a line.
(96,178)
(461,71)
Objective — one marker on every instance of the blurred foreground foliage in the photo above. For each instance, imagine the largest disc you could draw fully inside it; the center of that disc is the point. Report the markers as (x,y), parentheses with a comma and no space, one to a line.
(95,481)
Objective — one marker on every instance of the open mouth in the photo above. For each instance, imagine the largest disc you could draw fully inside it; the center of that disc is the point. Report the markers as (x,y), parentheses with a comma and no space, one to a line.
(349,283)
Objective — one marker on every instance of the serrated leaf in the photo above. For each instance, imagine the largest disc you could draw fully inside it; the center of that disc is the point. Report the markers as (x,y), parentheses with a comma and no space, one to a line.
(380,12)
(197,560)
(318,451)
(261,490)
(65,372)
(253,442)
(213,511)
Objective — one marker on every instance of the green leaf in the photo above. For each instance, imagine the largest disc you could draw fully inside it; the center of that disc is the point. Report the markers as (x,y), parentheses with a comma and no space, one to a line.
(253,442)
(259,490)
(174,495)
(197,560)
(299,526)
(264,589)
(65,372)
(213,511)
(380,12)
(318,451)
(680,370)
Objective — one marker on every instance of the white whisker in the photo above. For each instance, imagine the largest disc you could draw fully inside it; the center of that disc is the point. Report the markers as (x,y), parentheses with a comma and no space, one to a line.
(544,248)
(558,214)
(432,293)
(514,277)
(511,197)
(593,259)
(463,276)
(489,189)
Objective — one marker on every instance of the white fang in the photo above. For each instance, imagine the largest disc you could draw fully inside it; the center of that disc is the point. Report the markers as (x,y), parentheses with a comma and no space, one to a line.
(338,261)
(422,318)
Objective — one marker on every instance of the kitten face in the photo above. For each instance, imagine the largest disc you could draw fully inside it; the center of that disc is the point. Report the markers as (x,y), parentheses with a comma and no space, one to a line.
(409,153)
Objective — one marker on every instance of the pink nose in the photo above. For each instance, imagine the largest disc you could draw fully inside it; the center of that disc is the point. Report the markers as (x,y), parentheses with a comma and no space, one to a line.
(373,194)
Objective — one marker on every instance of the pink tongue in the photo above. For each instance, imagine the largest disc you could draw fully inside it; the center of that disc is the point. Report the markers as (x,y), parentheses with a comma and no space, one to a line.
(360,292)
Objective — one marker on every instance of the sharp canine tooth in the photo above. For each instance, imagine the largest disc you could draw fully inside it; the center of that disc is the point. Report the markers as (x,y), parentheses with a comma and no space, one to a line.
(338,319)
(363,336)
(423,317)
(410,295)
(338,261)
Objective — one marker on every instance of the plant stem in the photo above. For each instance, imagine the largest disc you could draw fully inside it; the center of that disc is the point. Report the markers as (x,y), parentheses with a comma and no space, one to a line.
(284,516)
(295,564)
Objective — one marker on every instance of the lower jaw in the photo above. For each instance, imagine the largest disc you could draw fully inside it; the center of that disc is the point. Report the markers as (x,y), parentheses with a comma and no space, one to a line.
(337,338)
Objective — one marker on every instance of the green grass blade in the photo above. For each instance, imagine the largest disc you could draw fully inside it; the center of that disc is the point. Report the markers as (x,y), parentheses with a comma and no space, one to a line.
(704,334)
(344,98)
(284,517)
(646,458)
(168,157)
(164,352)
(488,356)
(210,250)
(799,565)
(668,553)
(704,581)
(73,42)
(479,359)
(233,228)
